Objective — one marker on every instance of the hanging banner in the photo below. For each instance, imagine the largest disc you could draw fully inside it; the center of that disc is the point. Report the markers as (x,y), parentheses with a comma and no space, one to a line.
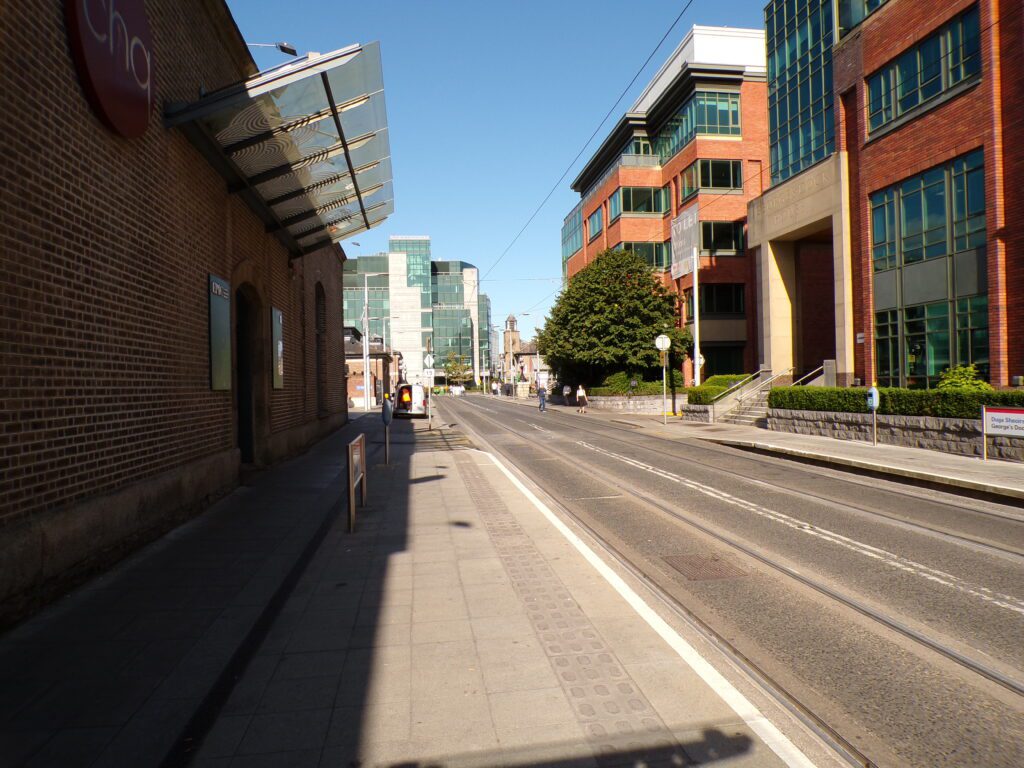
(685,237)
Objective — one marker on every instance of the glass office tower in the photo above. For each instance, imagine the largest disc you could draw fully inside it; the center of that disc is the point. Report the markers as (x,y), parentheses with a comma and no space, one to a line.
(374,271)
(453,321)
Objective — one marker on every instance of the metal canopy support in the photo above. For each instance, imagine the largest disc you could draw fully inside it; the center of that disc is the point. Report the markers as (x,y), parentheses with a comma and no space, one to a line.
(269,137)
(348,157)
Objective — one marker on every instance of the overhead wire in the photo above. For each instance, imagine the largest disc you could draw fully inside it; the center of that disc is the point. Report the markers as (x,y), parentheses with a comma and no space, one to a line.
(592,136)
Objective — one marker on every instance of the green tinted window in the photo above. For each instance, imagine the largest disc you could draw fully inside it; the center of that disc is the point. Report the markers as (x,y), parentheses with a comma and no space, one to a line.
(705,112)
(947,58)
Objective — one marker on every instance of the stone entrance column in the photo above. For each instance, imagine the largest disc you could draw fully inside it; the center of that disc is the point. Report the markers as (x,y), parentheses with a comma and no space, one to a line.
(776,277)
(842,269)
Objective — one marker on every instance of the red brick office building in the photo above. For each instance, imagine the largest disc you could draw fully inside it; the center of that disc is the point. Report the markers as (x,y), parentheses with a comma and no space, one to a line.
(906,203)
(957,127)
(696,139)
(164,321)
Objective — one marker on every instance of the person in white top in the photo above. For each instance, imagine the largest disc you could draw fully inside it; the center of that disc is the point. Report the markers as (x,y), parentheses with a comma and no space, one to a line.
(581,399)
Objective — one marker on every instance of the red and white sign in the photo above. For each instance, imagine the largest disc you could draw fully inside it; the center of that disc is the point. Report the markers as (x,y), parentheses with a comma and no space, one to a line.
(113,49)
(1008,422)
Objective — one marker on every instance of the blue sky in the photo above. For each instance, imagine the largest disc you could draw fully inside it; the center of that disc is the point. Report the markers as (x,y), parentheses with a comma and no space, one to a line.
(488,102)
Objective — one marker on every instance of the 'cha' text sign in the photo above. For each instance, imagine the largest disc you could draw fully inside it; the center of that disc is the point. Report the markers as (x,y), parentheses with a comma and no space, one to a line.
(1008,422)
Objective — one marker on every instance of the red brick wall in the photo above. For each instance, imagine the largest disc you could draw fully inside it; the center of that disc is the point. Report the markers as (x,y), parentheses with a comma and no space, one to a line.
(105,247)
(751,148)
(971,120)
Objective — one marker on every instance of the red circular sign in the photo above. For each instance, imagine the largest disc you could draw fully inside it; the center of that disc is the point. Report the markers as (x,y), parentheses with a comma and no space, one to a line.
(113,48)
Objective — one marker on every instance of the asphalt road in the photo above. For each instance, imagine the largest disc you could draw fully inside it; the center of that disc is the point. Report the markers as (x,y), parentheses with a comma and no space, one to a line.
(716,529)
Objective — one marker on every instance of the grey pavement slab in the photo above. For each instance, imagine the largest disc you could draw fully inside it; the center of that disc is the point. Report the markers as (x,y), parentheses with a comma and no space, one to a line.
(113,673)
(465,645)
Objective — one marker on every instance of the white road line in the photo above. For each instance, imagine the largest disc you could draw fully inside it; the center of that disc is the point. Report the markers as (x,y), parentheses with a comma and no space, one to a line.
(778,742)
(539,428)
(867,550)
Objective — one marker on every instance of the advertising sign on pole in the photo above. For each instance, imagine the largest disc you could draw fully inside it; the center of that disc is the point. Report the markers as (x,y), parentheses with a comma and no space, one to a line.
(685,238)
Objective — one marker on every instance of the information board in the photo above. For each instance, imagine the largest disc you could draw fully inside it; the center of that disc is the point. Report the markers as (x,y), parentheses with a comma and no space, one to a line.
(220,333)
(685,237)
(1007,422)
(278,340)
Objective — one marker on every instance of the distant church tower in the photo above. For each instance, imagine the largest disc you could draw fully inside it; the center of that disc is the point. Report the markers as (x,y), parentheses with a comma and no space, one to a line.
(511,348)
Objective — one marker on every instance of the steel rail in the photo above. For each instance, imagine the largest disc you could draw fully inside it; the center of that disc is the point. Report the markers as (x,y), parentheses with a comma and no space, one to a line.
(979,668)
(754,673)
(725,450)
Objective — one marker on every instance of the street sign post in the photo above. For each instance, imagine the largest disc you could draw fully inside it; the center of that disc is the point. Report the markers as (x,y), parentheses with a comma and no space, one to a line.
(428,366)
(663,343)
(386,416)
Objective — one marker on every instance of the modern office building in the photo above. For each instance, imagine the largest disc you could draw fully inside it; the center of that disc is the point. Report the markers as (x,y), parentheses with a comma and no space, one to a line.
(694,147)
(417,306)
(895,176)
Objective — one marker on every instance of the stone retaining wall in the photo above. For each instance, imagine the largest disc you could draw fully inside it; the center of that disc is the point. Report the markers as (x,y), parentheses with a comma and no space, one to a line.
(700,413)
(961,436)
(623,404)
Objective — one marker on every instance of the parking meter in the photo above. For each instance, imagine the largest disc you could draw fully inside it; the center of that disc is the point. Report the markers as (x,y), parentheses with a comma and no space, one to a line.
(873,400)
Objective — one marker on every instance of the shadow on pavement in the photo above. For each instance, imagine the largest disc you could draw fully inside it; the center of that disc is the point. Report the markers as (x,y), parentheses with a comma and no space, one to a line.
(710,747)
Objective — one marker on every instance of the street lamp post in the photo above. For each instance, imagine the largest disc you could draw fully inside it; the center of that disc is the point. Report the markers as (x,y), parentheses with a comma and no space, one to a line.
(663,343)
(366,337)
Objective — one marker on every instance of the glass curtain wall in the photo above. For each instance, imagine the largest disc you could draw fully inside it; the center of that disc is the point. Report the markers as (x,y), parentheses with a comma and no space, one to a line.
(484,331)
(799,37)
(453,322)
(379,313)
(417,250)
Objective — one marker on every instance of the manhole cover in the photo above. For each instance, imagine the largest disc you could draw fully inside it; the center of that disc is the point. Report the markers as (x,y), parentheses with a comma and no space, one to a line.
(703,567)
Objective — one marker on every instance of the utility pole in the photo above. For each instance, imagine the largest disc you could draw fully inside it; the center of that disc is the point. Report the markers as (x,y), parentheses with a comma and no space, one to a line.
(366,343)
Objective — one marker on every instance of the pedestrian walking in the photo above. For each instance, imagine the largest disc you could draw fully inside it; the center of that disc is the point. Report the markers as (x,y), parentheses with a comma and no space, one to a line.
(566,391)
(581,399)
(542,394)
(494,388)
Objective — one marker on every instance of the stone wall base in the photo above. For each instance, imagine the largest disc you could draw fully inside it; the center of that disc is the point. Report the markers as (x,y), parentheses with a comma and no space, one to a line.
(960,436)
(44,555)
(698,413)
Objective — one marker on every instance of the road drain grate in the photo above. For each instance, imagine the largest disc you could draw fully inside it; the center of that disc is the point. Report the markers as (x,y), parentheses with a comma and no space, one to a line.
(703,567)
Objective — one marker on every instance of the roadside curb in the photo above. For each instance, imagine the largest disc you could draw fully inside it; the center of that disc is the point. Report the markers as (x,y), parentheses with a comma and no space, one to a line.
(986,490)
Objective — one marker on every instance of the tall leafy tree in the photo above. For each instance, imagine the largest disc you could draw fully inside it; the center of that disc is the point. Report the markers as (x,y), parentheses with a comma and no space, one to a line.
(456,370)
(606,319)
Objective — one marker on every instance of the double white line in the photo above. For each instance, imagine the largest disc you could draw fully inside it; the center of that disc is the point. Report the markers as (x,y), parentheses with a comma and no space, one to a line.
(890,559)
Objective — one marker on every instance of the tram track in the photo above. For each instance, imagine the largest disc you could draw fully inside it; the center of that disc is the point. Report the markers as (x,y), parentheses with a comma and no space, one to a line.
(1017,553)
(792,703)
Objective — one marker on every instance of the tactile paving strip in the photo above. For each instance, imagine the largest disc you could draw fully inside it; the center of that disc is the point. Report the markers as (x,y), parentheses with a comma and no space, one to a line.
(619,721)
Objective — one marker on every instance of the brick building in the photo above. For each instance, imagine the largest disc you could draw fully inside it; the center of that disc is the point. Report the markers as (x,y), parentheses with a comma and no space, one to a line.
(895,180)
(170,289)
(695,141)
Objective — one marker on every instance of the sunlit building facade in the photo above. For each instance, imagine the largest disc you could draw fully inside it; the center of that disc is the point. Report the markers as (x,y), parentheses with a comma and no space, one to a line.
(417,305)
(695,141)
(894,177)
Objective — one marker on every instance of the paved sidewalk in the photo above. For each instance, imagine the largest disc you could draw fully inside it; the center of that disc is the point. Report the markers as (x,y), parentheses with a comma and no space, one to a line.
(114,673)
(459,627)
(998,478)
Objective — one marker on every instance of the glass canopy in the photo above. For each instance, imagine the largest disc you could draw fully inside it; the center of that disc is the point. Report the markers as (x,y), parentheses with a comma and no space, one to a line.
(305,143)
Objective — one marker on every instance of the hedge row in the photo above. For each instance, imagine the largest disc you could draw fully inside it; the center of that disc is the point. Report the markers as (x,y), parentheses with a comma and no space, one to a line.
(965,404)
(724,380)
(704,394)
